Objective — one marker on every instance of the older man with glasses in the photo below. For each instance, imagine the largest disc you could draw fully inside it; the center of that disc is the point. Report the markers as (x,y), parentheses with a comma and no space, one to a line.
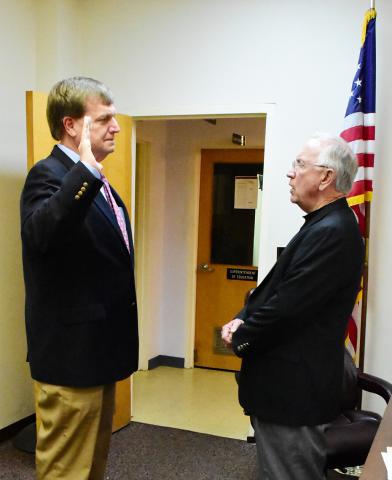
(290,334)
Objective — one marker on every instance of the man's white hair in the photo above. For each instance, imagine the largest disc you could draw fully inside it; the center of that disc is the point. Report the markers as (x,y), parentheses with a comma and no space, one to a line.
(336,154)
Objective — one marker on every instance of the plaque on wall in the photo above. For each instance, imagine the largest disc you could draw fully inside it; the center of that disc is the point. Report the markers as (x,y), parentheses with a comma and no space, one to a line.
(241,274)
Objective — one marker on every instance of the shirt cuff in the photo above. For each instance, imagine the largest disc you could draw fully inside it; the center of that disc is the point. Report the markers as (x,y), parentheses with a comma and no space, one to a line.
(93,170)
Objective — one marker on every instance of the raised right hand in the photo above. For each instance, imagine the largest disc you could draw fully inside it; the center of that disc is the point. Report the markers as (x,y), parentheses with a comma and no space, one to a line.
(85,152)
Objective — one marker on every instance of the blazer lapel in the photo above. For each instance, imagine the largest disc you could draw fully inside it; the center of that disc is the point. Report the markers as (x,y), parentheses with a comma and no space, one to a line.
(64,159)
(121,204)
(106,210)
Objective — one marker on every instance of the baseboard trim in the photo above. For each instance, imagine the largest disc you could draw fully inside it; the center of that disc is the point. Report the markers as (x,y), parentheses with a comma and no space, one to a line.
(165,361)
(9,432)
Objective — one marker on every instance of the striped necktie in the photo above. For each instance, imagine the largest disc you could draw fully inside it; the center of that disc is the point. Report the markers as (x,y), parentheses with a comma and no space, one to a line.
(116,210)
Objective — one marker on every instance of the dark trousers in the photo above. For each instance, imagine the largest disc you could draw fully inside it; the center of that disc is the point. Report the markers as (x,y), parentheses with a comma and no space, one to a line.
(290,453)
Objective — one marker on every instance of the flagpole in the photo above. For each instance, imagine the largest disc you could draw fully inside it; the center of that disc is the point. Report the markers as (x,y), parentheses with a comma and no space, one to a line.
(362,335)
(372,4)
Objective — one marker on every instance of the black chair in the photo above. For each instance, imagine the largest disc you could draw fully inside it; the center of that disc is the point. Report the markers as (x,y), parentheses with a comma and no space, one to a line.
(351,434)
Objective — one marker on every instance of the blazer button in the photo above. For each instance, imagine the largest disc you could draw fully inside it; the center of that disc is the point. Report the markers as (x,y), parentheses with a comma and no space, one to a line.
(133,304)
(77,197)
(83,189)
(80,193)
(85,184)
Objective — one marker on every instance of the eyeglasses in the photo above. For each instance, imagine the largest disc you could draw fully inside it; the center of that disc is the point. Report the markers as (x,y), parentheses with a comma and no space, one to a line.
(299,164)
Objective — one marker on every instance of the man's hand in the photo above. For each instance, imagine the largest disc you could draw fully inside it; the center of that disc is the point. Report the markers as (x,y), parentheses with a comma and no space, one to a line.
(86,154)
(229,329)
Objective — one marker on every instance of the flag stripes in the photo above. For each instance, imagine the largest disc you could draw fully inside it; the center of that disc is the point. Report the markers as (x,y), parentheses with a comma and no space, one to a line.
(360,132)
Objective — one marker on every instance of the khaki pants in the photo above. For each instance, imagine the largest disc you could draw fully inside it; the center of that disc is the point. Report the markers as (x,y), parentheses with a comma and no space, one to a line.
(74,427)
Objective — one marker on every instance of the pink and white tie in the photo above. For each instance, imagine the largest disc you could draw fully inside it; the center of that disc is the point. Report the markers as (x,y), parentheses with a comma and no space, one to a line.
(116,210)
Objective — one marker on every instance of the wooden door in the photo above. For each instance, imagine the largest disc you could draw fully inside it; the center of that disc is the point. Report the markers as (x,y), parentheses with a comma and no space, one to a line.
(118,169)
(225,264)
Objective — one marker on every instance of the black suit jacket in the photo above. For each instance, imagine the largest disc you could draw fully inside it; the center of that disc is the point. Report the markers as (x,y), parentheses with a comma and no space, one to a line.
(292,341)
(81,313)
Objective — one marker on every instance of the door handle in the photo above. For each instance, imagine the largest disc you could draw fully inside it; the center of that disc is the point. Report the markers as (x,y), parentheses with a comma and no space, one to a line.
(204,267)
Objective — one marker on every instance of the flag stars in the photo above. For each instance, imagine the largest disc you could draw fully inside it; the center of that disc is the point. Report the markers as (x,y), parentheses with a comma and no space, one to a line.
(358,83)
(359,99)
(359,66)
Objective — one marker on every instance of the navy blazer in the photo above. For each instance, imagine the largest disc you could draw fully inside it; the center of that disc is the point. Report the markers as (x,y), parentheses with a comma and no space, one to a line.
(292,341)
(81,312)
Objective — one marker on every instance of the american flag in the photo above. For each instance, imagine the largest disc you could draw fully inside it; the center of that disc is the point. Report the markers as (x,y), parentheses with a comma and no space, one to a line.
(359,132)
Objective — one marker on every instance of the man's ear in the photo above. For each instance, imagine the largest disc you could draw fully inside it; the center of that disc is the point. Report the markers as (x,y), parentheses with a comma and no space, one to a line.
(69,124)
(328,178)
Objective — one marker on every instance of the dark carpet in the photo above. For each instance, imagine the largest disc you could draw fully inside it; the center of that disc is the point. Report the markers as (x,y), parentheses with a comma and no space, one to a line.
(141,451)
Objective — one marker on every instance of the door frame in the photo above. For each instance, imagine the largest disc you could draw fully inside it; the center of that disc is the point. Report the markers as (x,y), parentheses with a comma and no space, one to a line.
(267,110)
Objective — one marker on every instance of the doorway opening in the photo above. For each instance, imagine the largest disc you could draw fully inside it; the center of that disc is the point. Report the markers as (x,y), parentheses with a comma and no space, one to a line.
(169,182)
(168,175)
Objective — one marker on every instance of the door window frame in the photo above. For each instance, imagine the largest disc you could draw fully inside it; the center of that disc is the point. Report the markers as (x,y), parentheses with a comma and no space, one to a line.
(267,110)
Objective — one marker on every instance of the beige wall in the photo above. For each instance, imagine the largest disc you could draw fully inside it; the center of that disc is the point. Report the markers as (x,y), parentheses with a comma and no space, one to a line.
(38,44)
(149,241)
(58,39)
(17,60)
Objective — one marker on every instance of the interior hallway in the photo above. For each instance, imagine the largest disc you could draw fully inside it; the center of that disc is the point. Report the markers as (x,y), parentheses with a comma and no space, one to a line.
(194,399)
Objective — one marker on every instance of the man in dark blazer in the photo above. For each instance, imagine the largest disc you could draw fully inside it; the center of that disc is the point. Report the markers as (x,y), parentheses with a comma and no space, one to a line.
(290,334)
(81,314)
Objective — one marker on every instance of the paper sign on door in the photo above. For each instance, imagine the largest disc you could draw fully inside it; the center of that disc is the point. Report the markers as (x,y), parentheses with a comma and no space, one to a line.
(245,192)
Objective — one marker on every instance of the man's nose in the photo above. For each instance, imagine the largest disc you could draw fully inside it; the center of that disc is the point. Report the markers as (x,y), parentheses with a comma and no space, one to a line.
(114,127)
(290,173)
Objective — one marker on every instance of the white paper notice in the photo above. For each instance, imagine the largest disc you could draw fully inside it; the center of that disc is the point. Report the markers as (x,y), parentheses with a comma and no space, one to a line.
(245,192)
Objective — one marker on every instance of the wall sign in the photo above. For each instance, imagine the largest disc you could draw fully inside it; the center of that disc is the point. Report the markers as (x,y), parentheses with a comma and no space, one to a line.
(241,274)
(245,193)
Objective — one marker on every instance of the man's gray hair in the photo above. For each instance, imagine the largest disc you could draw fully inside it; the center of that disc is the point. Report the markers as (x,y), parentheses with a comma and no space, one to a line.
(336,154)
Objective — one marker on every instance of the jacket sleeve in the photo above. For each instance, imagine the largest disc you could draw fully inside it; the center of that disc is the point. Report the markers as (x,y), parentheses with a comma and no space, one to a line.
(316,272)
(53,207)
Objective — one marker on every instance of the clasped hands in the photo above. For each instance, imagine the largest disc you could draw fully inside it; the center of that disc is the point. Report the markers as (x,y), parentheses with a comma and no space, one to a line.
(229,329)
